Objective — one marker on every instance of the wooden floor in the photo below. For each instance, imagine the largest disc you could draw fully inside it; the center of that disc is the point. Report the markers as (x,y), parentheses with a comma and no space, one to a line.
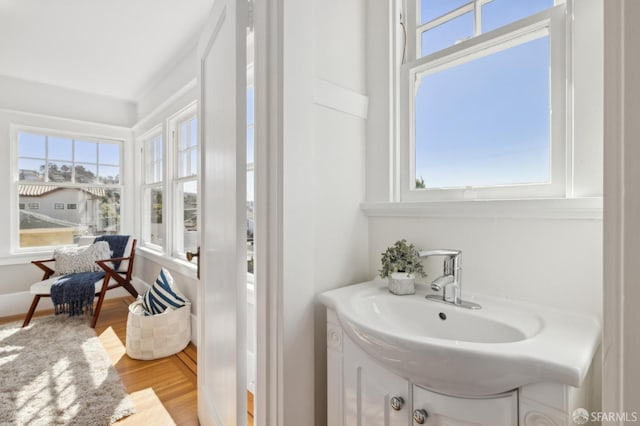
(164,391)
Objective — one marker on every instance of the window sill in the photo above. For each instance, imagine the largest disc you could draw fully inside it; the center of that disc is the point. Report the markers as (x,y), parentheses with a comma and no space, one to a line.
(559,208)
(178,265)
(23,258)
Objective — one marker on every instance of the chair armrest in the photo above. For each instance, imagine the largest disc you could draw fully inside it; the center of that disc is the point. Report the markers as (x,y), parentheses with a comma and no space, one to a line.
(104,263)
(114,259)
(41,264)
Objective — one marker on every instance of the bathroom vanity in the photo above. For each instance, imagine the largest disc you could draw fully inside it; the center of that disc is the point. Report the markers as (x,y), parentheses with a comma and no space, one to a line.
(404,360)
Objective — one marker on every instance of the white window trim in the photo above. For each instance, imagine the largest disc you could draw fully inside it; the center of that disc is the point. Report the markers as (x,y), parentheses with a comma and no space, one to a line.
(561,143)
(145,210)
(190,111)
(181,266)
(14,220)
(169,254)
(555,209)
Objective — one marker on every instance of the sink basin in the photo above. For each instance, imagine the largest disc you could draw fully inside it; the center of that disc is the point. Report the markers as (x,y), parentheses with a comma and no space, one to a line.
(414,318)
(457,351)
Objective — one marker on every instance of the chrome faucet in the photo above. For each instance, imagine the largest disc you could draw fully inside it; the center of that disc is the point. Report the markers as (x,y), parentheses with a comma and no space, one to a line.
(450,282)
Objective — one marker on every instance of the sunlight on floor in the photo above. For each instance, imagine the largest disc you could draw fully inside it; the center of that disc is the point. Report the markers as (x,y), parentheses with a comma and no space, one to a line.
(111,342)
(148,405)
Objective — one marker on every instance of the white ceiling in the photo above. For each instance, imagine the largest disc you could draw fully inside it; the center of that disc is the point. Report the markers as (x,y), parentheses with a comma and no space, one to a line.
(116,48)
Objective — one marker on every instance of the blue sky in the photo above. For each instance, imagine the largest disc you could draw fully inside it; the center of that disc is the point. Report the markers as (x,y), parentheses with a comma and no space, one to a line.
(485,122)
(33,145)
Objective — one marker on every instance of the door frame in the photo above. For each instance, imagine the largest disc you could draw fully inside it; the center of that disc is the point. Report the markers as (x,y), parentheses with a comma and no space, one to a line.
(621,247)
(268,104)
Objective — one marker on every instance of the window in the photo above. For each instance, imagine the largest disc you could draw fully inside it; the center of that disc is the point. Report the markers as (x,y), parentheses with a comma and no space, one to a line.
(57,169)
(153,190)
(482,104)
(170,187)
(185,182)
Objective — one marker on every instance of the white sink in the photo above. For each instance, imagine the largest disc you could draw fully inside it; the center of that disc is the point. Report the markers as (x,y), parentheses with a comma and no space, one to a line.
(457,351)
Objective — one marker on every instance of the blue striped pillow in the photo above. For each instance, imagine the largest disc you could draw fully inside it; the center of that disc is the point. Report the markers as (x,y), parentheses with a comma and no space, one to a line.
(162,295)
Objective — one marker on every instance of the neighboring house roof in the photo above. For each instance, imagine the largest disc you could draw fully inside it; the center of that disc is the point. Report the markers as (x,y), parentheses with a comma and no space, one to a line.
(38,190)
(31,220)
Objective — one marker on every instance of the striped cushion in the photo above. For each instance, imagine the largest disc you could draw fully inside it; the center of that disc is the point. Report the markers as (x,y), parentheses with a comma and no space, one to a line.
(163,294)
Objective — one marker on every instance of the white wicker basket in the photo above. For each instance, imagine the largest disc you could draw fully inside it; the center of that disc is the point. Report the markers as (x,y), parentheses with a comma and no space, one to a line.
(157,336)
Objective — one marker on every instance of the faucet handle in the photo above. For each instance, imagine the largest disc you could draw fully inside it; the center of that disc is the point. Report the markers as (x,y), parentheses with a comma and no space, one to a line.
(451,293)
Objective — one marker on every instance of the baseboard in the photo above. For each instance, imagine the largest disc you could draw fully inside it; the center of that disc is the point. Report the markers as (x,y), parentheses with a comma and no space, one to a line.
(140,286)
(18,303)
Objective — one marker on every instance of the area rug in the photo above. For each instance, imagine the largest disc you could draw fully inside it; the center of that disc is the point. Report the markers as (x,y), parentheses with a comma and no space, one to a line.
(56,372)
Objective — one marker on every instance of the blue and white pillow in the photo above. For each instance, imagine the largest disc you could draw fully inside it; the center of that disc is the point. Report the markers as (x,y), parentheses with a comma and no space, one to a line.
(162,295)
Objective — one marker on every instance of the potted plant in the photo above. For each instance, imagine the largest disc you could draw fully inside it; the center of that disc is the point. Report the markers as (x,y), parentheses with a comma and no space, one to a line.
(401,264)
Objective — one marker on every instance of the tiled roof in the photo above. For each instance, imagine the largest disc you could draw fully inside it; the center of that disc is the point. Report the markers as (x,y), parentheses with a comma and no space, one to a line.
(38,190)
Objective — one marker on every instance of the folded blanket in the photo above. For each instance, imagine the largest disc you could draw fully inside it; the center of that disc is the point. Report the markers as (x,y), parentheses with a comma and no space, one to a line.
(73,294)
(117,243)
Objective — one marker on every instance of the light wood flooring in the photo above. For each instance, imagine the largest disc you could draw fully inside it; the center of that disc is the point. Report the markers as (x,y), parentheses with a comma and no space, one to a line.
(164,391)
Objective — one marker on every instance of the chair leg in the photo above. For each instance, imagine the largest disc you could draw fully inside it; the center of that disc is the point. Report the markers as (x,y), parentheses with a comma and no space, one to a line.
(96,311)
(32,310)
(103,292)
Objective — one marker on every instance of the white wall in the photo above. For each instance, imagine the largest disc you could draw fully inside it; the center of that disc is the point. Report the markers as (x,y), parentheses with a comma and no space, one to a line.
(554,262)
(324,232)
(38,98)
(175,79)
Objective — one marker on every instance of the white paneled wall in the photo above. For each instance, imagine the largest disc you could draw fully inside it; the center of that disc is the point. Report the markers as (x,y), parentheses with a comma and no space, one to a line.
(324,231)
(555,262)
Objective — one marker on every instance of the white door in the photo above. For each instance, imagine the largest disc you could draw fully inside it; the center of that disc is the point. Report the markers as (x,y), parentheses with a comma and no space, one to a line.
(222,350)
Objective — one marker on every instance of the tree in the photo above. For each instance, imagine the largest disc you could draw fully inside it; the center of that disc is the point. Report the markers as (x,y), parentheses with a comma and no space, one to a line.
(84,176)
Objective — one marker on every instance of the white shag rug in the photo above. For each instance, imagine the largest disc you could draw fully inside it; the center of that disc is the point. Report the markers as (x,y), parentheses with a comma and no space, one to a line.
(56,372)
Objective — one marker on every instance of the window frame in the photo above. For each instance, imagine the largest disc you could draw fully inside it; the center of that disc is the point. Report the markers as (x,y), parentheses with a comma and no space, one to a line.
(551,20)
(146,188)
(170,183)
(177,218)
(15,130)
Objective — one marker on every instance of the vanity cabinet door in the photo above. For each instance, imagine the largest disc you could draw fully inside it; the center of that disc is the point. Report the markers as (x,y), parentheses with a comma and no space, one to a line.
(372,395)
(444,410)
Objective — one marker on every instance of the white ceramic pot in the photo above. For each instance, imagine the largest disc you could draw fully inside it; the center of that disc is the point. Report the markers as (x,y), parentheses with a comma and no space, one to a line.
(402,283)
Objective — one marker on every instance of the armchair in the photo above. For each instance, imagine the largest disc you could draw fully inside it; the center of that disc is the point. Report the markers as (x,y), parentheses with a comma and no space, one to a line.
(118,273)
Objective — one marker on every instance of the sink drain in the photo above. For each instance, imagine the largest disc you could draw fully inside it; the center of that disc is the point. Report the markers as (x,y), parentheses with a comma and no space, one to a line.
(442,316)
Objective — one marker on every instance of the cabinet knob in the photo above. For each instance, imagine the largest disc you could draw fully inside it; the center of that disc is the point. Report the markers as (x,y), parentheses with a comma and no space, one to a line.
(397,402)
(420,416)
